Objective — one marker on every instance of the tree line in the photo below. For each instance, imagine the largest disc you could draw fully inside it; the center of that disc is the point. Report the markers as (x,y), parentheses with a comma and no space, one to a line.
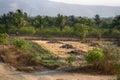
(20,22)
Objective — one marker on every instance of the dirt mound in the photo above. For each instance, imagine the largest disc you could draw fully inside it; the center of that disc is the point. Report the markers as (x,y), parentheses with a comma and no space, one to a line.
(21,61)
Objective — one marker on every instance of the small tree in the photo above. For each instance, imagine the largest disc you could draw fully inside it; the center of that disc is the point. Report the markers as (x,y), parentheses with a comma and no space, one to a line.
(81,30)
(97,20)
(99,33)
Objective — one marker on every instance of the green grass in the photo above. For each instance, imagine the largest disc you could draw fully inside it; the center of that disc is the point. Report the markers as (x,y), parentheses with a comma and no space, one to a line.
(40,54)
(47,58)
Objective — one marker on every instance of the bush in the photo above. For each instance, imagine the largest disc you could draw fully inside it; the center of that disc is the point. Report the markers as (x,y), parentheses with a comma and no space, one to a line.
(13,30)
(4,38)
(95,56)
(27,30)
(70,59)
(115,33)
(111,62)
(2,28)
(21,44)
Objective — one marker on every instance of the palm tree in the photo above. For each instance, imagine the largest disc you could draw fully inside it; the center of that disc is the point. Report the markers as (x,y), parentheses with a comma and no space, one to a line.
(97,20)
(61,21)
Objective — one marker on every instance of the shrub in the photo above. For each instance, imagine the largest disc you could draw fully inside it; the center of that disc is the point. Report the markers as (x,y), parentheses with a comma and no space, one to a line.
(4,38)
(115,33)
(2,28)
(21,44)
(70,59)
(13,30)
(111,62)
(27,30)
(95,56)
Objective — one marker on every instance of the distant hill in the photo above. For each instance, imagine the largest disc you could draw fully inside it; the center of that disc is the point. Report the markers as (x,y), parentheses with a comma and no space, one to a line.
(45,7)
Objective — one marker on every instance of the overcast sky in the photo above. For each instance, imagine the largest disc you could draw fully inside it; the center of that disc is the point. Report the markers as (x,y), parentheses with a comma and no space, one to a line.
(91,2)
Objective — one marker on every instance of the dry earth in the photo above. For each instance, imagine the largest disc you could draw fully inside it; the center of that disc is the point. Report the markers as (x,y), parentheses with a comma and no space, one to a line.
(9,73)
(61,52)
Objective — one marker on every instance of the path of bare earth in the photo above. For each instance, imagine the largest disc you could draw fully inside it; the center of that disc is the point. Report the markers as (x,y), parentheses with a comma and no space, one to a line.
(7,73)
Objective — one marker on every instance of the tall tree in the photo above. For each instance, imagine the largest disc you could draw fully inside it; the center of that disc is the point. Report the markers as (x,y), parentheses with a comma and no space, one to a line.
(61,21)
(19,18)
(99,29)
(81,30)
(116,22)
(97,20)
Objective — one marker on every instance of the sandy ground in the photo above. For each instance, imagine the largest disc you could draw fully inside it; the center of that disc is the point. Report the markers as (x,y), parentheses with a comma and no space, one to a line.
(7,73)
(61,52)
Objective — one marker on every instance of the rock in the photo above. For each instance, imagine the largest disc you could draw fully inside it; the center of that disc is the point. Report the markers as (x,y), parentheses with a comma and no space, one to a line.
(67,46)
(77,52)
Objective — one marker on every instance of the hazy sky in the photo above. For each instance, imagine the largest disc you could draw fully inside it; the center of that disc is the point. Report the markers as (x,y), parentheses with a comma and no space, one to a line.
(91,2)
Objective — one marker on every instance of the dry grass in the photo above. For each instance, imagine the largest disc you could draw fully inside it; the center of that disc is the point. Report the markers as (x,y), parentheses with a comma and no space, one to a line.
(61,52)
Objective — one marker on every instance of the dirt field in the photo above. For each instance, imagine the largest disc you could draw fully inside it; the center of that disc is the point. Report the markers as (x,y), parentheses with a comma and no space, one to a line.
(62,52)
(9,73)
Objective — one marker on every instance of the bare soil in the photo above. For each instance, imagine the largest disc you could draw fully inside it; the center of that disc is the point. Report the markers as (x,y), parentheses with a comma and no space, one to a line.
(7,72)
(56,49)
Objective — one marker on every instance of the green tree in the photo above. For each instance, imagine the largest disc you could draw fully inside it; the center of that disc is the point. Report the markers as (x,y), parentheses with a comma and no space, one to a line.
(116,22)
(81,30)
(99,32)
(97,20)
(19,19)
(61,21)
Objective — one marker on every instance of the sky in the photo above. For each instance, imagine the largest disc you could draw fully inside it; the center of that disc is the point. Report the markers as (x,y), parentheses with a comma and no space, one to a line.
(91,2)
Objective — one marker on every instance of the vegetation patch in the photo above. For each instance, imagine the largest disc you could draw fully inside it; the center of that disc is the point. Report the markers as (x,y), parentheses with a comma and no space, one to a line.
(28,56)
